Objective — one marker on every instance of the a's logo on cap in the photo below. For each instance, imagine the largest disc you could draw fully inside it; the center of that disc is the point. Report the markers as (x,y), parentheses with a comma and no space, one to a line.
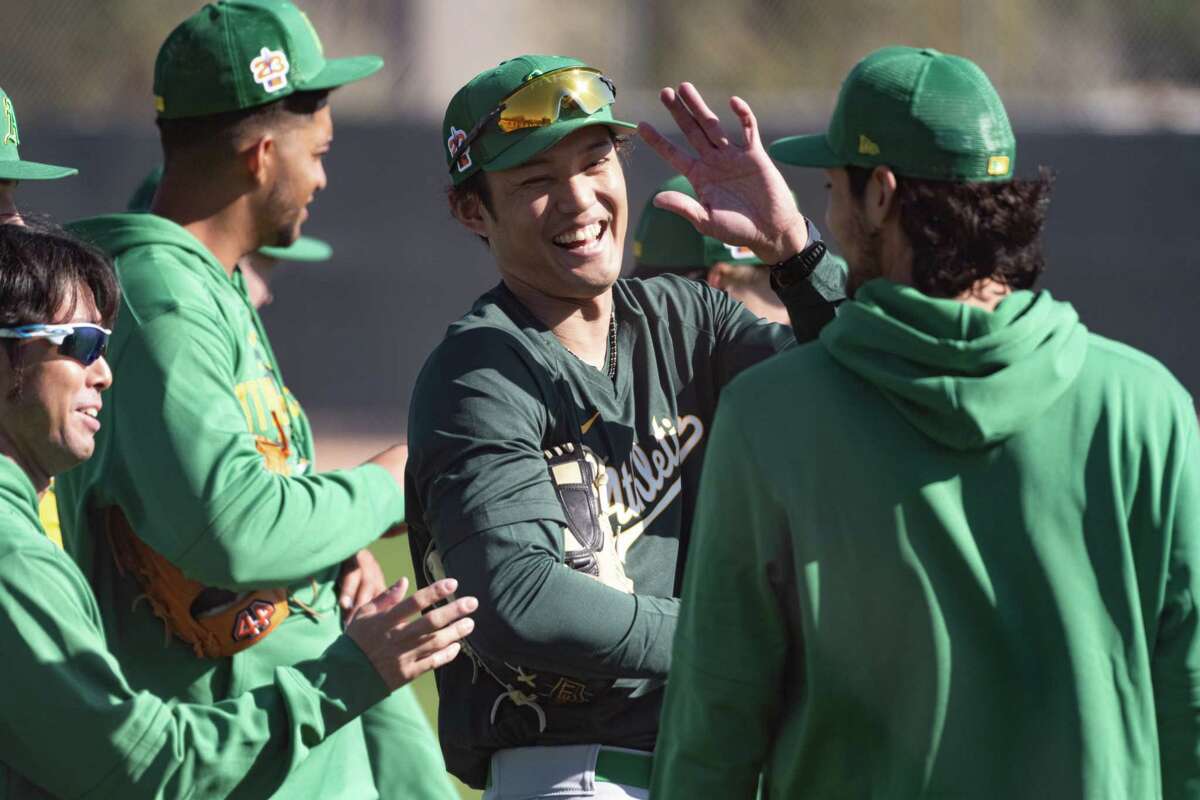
(739,252)
(866,147)
(10,124)
(270,70)
(998,165)
(455,141)
(160,105)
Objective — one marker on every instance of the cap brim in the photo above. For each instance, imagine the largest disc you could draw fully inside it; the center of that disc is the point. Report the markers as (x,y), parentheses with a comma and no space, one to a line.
(340,71)
(33,171)
(305,248)
(812,150)
(541,139)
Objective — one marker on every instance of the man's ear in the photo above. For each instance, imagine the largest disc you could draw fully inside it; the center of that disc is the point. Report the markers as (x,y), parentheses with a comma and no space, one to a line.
(718,276)
(880,195)
(259,157)
(468,209)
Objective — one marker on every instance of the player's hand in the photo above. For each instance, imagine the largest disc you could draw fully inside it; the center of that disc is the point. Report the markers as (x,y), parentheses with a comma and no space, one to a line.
(403,646)
(393,460)
(743,198)
(361,581)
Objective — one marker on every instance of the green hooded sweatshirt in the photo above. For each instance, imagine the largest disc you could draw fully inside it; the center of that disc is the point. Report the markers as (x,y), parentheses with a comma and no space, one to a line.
(945,552)
(210,459)
(71,725)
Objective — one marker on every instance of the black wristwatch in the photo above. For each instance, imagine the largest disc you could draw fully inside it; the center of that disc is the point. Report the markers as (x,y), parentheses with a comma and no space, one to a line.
(798,268)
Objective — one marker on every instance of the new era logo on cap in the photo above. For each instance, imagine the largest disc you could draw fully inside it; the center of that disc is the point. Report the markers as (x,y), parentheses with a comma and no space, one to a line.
(270,70)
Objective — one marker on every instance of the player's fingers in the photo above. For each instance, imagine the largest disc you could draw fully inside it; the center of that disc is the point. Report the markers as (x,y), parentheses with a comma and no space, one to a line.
(439,618)
(684,120)
(434,660)
(666,150)
(386,601)
(350,583)
(440,640)
(424,598)
(371,585)
(704,116)
(749,122)
(687,207)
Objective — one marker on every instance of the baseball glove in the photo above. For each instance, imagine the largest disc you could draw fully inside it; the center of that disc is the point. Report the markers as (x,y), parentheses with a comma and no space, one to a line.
(589,545)
(215,622)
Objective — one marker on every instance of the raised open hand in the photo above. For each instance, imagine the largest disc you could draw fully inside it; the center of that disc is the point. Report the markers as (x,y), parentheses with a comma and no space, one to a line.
(743,199)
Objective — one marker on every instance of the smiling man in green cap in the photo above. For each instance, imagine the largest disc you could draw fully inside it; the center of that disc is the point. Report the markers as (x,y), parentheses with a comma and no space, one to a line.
(556,434)
(202,495)
(13,169)
(968,564)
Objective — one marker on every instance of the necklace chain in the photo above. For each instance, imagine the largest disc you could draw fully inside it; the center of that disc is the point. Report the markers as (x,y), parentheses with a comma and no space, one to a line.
(612,345)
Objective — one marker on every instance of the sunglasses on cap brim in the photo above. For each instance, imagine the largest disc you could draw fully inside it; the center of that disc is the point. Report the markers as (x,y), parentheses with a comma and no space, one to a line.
(541,101)
(81,341)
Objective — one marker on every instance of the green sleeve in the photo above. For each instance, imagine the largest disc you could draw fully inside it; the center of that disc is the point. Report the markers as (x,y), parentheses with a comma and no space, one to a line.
(193,484)
(478,415)
(1176,660)
(71,724)
(723,692)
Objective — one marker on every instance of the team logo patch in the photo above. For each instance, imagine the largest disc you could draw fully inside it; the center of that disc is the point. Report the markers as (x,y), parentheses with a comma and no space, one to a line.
(998,165)
(738,252)
(10,124)
(253,621)
(270,70)
(455,141)
(866,146)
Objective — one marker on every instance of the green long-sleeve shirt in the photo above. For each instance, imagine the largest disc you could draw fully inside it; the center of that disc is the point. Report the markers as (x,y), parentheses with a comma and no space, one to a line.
(210,459)
(559,657)
(71,725)
(944,553)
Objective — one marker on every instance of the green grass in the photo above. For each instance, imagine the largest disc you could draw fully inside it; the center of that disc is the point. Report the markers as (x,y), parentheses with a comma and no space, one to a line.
(394,558)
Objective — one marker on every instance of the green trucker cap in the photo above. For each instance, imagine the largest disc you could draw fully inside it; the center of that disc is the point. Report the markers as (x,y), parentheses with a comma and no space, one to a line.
(306,248)
(923,113)
(238,54)
(666,242)
(494,150)
(12,168)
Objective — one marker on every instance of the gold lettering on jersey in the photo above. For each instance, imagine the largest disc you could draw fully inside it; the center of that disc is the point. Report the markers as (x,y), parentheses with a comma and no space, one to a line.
(260,398)
(640,489)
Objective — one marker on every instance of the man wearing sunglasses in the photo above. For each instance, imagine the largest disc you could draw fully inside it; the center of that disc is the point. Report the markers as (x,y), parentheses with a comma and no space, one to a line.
(666,244)
(556,434)
(66,696)
(203,485)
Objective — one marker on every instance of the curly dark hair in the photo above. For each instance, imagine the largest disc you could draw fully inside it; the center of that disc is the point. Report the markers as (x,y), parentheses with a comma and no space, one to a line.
(962,232)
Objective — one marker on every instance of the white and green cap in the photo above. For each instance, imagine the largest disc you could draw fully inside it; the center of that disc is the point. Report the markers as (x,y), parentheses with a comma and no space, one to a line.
(12,168)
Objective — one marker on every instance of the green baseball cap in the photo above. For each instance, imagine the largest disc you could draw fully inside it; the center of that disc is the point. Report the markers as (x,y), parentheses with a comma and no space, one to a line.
(12,168)
(305,248)
(923,113)
(493,149)
(238,54)
(666,242)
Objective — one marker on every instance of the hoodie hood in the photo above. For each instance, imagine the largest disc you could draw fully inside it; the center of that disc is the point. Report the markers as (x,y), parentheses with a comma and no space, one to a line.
(965,377)
(117,233)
